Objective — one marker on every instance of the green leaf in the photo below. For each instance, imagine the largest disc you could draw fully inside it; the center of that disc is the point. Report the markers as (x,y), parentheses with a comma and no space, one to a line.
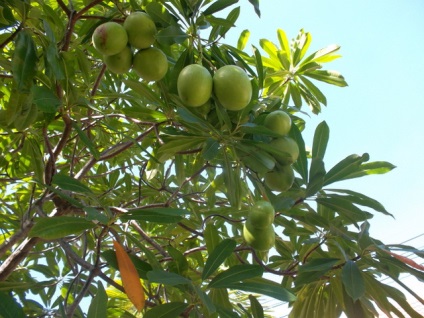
(352,280)
(235,274)
(264,287)
(345,168)
(345,208)
(156,215)
(259,67)
(9,307)
(322,55)
(211,236)
(256,307)
(177,144)
(314,90)
(98,305)
(144,91)
(71,184)
(316,176)
(242,40)
(170,35)
(159,14)
(87,141)
(169,310)
(211,149)
(24,61)
(45,99)
(375,167)
(255,4)
(301,165)
(321,136)
(221,252)
(218,6)
(59,227)
(330,77)
(205,299)
(319,264)
(166,278)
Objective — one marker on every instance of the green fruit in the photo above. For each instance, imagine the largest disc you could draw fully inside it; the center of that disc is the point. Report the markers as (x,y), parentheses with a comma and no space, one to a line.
(119,63)
(261,215)
(278,121)
(110,38)
(150,64)
(280,180)
(232,87)
(288,150)
(194,85)
(259,239)
(141,30)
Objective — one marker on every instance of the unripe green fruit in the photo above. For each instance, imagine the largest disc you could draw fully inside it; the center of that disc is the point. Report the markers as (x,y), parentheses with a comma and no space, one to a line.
(141,30)
(261,214)
(278,121)
(194,85)
(289,150)
(150,64)
(110,38)
(260,239)
(280,180)
(119,63)
(232,87)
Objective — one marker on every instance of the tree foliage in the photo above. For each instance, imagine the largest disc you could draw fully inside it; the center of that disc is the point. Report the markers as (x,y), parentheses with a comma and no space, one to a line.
(92,162)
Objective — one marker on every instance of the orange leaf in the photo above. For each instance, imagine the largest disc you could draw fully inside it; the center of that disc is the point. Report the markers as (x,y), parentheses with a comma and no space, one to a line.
(130,277)
(406,260)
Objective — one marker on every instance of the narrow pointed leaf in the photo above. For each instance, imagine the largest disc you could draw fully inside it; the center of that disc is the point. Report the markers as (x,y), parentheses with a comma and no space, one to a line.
(321,136)
(59,227)
(218,6)
(256,307)
(24,61)
(9,307)
(70,184)
(346,167)
(98,306)
(301,165)
(255,4)
(167,278)
(169,310)
(353,281)
(218,256)
(324,52)
(242,40)
(330,77)
(130,277)
(316,176)
(259,67)
(235,274)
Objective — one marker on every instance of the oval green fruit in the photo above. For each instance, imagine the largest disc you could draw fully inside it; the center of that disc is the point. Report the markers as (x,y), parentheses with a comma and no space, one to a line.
(279,122)
(261,214)
(141,30)
(110,38)
(288,148)
(259,239)
(194,85)
(232,87)
(119,63)
(280,180)
(150,64)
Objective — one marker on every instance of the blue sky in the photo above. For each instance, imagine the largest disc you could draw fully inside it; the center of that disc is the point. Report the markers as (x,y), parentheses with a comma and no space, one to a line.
(382,110)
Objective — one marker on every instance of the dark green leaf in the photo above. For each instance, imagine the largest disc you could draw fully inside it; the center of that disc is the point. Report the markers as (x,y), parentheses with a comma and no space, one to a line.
(314,90)
(345,168)
(24,61)
(87,141)
(264,287)
(144,91)
(218,256)
(159,14)
(170,35)
(166,278)
(98,305)
(71,184)
(169,310)
(316,176)
(256,307)
(321,136)
(345,208)
(9,307)
(211,149)
(59,227)
(177,144)
(255,4)
(205,299)
(157,215)
(259,67)
(319,264)
(301,165)
(46,99)
(218,6)
(352,280)
(235,274)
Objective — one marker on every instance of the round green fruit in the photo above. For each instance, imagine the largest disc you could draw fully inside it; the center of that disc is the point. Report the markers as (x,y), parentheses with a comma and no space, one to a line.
(260,239)
(232,87)
(194,85)
(278,121)
(150,64)
(141,30)
(110,38)
(261,214)
(119,63)
(280,180)
(289,150)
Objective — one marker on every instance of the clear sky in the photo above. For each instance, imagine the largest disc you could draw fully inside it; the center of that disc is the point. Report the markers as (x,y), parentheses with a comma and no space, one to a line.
(382,110)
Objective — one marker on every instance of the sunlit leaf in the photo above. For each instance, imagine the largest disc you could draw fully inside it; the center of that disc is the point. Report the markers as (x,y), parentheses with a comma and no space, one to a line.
(242,40)
(219,5)
(59,227)
(330,77)
(235,274)
(71,184)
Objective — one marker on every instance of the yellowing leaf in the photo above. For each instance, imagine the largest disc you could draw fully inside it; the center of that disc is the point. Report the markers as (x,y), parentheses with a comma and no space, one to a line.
(130,277)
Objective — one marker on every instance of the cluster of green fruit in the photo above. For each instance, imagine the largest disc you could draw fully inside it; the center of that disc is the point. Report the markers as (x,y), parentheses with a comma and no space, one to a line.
(116,43)
(258,230)
(230,84)
(281,178)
